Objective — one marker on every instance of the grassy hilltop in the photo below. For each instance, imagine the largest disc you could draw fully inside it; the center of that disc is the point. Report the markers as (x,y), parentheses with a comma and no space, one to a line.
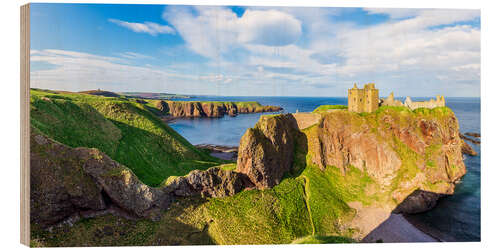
(125,130)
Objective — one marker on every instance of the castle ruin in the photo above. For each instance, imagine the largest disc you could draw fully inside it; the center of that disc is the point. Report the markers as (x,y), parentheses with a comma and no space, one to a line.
(363,100)
(432,103)
(367,100)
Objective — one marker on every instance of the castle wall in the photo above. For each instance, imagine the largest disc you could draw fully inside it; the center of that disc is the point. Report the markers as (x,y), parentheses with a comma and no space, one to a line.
(367,100)
(432,103)
(371,100)
(355,100)
(390,101)
(363,100)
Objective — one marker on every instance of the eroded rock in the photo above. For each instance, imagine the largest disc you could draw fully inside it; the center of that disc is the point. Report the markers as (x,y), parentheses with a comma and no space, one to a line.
(417,202)
(214,182)
(266,151)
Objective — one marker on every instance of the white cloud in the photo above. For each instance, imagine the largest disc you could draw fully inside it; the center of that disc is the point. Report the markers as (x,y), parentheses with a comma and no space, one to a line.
(212,31)
(146,27)
(399,54)
(296,51)
(273,28)
(82,71)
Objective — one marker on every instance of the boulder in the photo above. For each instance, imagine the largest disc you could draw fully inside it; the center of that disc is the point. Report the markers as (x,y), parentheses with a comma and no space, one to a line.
(213,182)
(59,185)
(417,202)
(65,181)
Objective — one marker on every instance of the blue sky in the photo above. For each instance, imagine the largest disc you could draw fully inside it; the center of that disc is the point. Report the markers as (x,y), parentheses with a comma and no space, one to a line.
(263,51)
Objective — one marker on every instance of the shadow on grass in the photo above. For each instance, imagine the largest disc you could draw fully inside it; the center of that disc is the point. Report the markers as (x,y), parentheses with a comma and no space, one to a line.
(110,230)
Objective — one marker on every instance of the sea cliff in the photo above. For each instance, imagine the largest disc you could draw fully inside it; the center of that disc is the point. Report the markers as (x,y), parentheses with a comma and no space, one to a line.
(400,149)
(209,109)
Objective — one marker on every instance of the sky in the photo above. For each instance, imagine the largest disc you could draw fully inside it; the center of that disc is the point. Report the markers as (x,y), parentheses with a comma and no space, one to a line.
(255,51)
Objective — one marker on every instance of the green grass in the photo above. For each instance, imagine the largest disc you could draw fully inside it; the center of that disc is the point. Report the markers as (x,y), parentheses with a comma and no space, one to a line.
(125,130)
(272,216)
(324,108)
(318,239)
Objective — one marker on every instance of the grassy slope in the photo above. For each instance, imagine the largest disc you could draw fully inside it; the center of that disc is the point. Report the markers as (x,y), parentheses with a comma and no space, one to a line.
(125,130)
(324,108)
(308,206)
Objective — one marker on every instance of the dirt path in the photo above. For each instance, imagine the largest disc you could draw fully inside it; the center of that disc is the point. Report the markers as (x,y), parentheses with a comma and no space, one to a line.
(306,199)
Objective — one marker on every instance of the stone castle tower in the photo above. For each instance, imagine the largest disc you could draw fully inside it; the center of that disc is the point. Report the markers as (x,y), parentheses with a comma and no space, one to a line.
(363,100)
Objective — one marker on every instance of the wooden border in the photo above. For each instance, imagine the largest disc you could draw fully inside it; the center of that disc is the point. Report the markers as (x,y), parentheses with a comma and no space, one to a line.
(25,127)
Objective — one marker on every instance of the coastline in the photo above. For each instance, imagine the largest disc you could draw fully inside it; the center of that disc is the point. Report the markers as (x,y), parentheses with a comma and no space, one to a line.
(397,229)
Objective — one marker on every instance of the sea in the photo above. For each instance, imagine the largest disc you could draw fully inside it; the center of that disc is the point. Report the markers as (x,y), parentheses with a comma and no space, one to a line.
(455,218)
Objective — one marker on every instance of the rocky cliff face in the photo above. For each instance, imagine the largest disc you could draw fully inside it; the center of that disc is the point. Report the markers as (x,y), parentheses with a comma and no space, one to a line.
(69,181)
(383,143)
(211,109)
(401,150)
(266,151)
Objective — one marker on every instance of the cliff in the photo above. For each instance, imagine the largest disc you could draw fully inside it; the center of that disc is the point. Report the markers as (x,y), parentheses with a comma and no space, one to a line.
(394,159)
(209,109)
(266,151)
(399,149)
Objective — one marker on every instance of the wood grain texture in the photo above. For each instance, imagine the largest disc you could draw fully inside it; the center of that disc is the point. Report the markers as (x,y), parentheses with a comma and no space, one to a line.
(25,127)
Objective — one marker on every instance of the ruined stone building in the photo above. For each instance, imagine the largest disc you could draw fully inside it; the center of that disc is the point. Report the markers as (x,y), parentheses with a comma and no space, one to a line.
(363,100)
(432,103)
(367,100)
(390,101)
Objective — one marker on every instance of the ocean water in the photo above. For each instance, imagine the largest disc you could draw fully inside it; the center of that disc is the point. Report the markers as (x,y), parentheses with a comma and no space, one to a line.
(455,218)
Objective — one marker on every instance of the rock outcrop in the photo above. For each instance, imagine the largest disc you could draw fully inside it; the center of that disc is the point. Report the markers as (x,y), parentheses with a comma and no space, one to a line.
(71,182)
(210,109)
(213,182)
(477,142)
(418,202)
(266,151)
(467,149)
(392,143)
(473,134)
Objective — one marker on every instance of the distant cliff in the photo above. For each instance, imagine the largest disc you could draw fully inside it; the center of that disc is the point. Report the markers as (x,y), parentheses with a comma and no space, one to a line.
(210,109)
